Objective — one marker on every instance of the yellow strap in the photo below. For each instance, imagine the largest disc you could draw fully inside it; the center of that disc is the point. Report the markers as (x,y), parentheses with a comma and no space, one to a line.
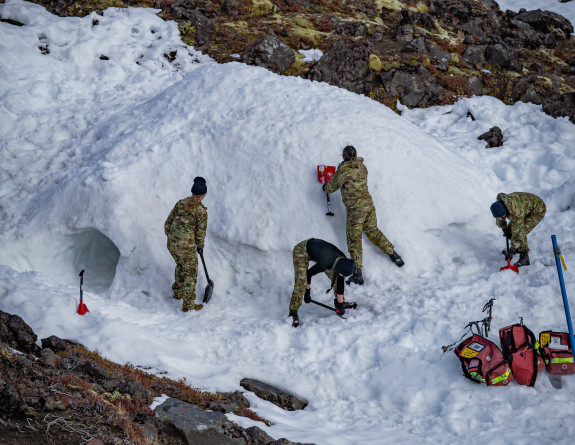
(501,377)
(563,262)
(476,376)
(562,360)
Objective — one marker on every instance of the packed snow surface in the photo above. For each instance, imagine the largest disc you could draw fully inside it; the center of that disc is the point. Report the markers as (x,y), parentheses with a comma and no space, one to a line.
(104,123)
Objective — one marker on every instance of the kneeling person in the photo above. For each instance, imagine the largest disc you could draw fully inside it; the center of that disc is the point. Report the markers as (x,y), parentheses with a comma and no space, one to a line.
(327,258)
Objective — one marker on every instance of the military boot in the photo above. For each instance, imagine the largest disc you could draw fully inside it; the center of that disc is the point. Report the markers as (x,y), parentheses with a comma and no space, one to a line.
(523,259)
(396,259)
(339,307)
(295,317)
(192,306)
(357,276)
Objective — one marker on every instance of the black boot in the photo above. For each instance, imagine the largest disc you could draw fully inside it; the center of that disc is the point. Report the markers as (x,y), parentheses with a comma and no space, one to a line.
(396,259)
(523,259)
(350,304)
(293,314)
(339,307)
(357,277)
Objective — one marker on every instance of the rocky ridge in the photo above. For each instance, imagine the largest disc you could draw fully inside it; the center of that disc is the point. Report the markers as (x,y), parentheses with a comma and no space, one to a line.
(422,53)
(61,393)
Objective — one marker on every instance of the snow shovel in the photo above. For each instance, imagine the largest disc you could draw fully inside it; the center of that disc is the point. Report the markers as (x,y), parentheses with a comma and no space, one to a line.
(509,266)
(82,309)
(324,174)
(210,287)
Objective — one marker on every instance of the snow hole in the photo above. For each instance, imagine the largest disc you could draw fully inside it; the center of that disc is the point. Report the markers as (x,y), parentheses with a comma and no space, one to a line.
(98,256)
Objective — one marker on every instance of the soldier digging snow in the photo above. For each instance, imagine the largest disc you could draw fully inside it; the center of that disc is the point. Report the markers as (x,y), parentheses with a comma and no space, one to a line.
(186,231)
(351,177)
(524,211)
(329,259)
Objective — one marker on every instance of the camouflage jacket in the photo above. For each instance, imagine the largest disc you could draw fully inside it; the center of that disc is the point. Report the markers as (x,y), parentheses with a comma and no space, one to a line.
(188,221)
(351,177)
(518,205)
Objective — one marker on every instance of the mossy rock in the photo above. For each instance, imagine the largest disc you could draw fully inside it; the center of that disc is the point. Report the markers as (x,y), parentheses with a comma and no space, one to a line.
(375,63)
(263,7)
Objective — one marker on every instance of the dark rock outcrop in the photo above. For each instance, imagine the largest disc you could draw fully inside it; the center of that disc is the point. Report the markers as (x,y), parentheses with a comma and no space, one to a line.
(271,53)
(493,137)
(17,334)
(345,65)
(198,425)
(203,28)
(56,344)
(561,105)
(547,22)
(416,89)
(274,395)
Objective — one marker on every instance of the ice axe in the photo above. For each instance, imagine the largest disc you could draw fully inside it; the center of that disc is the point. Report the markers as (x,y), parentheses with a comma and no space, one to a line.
(509,266)
(324,174)
(210,287)
(82,309)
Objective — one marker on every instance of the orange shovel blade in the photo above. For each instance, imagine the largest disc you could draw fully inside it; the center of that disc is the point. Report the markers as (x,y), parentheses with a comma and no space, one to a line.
(82,309)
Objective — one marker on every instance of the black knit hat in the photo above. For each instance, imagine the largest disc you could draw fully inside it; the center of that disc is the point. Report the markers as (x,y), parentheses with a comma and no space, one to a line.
(344,266)
(199,187)
(498,209)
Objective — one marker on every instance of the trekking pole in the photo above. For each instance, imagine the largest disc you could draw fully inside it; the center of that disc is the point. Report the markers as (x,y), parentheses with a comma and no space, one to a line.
(82,309)
(558,256)
(210,287)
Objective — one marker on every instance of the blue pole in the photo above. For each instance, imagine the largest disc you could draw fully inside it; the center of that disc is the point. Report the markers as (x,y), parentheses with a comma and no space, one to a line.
(557,253)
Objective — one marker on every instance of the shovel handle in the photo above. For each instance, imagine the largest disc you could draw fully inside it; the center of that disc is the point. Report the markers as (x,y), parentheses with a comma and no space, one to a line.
(81,282)
(329,212)
(322,305)
(205,269)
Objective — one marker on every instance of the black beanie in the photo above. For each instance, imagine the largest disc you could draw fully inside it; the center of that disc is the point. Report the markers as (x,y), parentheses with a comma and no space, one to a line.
(498,209)
(344,266)
(199,187)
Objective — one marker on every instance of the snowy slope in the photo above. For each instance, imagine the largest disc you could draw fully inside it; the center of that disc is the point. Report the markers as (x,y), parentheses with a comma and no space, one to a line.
(96,152)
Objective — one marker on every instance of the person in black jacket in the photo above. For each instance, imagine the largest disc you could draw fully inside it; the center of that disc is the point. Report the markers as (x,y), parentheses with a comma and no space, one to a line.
(329,259)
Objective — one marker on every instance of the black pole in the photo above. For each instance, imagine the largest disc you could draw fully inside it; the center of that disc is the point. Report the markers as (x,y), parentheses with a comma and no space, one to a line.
(81,282)
(329,212)
(323,305)
(205,269)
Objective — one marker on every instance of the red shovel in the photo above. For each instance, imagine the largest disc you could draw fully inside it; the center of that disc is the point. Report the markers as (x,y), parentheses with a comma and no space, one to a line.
(324,174)
(82,309)
(509,266)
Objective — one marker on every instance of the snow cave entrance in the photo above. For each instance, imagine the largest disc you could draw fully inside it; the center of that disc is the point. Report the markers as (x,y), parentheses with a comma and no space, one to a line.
(98,256)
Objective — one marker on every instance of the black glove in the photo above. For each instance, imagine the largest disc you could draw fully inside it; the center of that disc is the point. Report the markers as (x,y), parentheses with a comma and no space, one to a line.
(307,296)
(200,249)
(507,232)
(509,254)
(323,187)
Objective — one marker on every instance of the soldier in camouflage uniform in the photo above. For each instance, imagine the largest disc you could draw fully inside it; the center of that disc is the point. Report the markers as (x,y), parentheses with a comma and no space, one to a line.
(329,259)
(525,211)
(186,231)
(351,178)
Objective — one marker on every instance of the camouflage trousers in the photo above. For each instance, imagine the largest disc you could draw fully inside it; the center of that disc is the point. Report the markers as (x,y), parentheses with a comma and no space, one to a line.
(359,221)
(300,264)
(186,273)
(529,222)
